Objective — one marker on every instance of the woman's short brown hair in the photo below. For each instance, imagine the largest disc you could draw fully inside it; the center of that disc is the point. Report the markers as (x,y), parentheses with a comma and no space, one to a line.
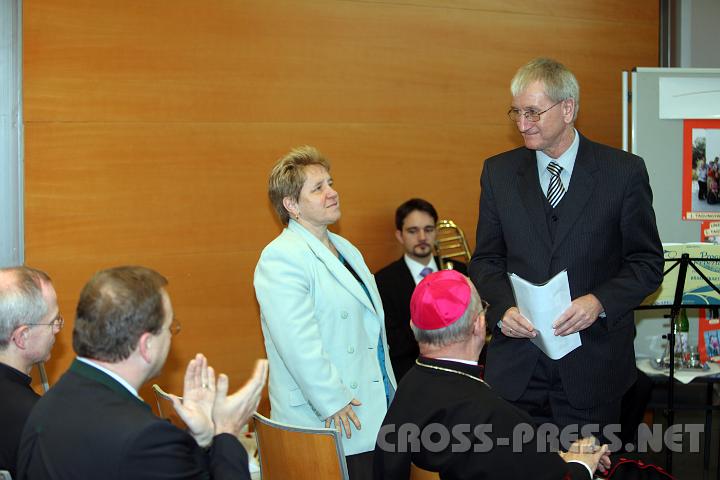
(288,176)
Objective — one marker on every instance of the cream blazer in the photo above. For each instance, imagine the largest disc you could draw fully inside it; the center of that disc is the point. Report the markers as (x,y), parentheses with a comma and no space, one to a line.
(321,334)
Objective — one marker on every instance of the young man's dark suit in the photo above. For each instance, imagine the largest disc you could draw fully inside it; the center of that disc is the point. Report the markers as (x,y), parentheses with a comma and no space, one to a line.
(88,426)
(426,396)
(396,285)
(603,232)
(17,399)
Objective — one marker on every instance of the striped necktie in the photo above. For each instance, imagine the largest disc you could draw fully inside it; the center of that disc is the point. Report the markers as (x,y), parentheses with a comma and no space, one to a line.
(555,189)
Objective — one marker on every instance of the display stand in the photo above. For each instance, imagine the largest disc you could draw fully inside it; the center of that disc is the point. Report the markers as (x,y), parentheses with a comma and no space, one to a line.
(683,263)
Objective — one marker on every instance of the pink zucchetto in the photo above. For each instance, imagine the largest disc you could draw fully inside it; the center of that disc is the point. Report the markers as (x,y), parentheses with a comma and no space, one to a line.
(439,300)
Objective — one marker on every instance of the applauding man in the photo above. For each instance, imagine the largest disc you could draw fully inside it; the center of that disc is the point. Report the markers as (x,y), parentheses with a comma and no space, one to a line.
(92,424)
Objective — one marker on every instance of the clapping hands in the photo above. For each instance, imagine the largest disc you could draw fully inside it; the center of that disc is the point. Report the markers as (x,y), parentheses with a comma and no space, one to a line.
(207,409)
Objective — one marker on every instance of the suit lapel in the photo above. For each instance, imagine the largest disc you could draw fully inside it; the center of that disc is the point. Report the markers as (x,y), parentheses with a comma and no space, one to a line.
(359,266)
(532,196)
(582,188)
(335,267)
(407,276)
(406,284)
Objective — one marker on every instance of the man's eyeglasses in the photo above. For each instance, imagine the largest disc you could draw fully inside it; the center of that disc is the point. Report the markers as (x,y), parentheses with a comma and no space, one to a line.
(485,306)
(530,115)
(57,323)
(175,327)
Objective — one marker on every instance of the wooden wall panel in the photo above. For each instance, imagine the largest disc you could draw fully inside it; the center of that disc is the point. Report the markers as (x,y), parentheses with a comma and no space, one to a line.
(289,61)
(150,128)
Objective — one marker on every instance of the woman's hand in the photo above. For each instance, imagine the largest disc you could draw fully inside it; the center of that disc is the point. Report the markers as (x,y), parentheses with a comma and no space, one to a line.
(343,417)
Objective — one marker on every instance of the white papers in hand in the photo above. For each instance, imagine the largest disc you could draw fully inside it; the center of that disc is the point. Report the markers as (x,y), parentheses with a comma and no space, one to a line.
(542,305)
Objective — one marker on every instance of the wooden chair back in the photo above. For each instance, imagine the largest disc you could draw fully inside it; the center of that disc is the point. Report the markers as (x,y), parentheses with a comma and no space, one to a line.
(417,473)
(299,453)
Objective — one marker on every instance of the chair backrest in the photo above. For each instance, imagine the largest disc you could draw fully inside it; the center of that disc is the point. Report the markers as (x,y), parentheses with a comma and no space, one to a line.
(43,380)
(165,407)
(417,473)
(5,475)
(299,453)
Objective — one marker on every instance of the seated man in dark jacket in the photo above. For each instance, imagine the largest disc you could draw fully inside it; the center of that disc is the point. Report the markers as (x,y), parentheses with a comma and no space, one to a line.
(415,222)
(29,322)
(92,424)
(445,418)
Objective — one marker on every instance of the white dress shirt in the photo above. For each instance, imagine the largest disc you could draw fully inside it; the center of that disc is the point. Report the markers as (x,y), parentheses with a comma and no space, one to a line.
(566,161)
(416,267)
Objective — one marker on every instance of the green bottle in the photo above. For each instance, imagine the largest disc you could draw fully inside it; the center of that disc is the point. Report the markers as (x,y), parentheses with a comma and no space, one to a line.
(682,327)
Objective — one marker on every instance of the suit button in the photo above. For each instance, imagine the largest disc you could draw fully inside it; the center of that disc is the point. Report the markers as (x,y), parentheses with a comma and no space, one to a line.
(353,385)
(343,315)
(351,349)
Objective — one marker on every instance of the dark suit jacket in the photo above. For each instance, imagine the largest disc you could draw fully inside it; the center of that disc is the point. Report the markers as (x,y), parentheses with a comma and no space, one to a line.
(88,426)
(455,401)
(16,401)
(607,240)
(396,286)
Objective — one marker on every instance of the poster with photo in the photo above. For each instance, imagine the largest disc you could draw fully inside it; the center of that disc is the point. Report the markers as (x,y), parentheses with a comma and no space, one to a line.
(709,319)
(710,232)
(701,170)
(696,291)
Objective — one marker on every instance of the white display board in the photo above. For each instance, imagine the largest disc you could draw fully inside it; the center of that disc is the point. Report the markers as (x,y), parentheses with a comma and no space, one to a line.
(689,97)
(657,136)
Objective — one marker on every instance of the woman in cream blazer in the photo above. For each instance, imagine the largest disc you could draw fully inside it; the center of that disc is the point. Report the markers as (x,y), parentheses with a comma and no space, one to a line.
(321,315)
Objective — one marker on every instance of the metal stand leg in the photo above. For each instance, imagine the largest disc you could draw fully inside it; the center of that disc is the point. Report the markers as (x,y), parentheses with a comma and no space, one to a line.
(708,428)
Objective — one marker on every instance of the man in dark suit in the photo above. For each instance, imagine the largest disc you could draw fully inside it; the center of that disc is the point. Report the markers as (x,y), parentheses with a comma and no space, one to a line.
(92,424)
(445,419)
(563,202)
(29,321)
(415,222)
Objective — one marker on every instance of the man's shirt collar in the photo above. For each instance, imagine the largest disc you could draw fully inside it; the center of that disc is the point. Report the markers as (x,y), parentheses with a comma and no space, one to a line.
(416,267)
(458,360)
(566,161)
(13,374)
(111,374)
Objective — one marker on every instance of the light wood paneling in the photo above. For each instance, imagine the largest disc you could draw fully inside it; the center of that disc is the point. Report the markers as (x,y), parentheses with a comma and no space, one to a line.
(150,128)
(317,61)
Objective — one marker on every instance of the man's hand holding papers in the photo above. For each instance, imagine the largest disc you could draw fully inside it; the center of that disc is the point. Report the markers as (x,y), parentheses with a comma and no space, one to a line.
(543,305)
(581,313)
(515,325)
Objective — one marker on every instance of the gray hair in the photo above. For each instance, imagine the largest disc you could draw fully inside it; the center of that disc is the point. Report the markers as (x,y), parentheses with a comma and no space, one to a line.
(560,83)
(21,300)
(458,331)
